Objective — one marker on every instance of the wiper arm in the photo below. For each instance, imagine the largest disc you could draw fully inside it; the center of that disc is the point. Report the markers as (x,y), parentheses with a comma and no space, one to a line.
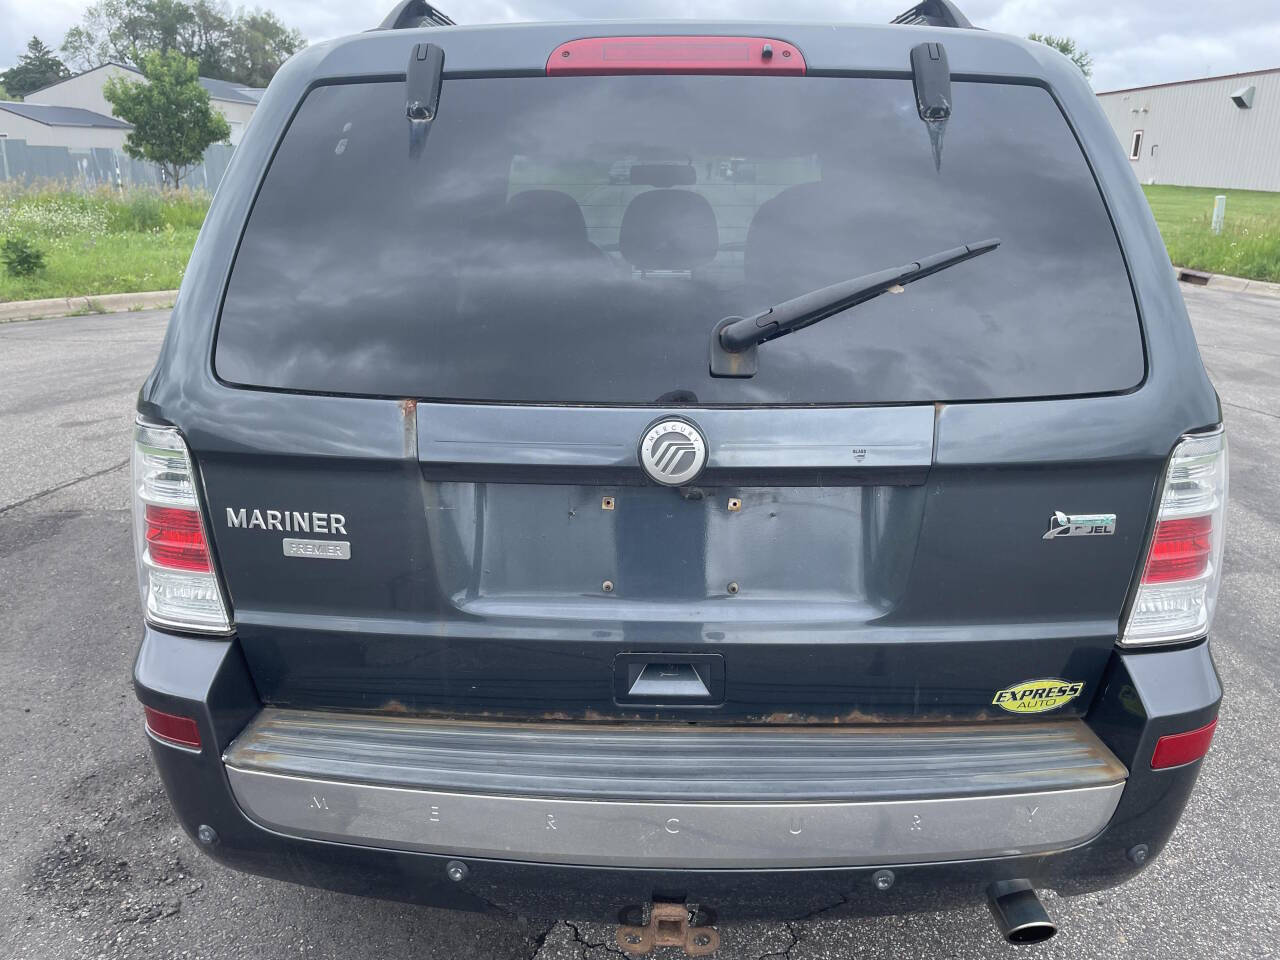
(735,339)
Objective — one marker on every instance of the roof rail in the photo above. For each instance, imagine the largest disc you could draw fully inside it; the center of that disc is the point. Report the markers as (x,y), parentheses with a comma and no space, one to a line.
(414,13)
(934,13)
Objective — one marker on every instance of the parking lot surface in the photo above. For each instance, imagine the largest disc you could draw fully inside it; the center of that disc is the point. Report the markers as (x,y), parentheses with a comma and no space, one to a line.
(95,865)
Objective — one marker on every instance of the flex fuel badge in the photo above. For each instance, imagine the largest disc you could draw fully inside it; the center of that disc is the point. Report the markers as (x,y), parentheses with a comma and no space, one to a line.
(1037,696)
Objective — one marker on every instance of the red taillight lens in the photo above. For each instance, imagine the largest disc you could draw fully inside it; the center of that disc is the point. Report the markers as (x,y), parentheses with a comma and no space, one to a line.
(1180,550)
(1178,749)
(175,540)
(172,728)
(612,56)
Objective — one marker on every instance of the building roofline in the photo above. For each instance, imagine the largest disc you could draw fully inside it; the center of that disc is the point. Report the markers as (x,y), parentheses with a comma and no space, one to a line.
(108,63)
(112,123)
(1180,83)
(132,69)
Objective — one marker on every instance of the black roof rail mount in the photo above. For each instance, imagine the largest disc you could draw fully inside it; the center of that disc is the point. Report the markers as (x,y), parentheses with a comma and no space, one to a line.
(932,78)
(422,81)
(409,14)
(934,13)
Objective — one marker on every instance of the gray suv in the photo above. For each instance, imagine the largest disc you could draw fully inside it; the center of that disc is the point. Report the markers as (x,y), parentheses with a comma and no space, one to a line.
(680,472)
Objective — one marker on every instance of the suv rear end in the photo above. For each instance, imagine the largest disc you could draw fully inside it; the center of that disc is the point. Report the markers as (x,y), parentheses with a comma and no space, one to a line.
(468,583)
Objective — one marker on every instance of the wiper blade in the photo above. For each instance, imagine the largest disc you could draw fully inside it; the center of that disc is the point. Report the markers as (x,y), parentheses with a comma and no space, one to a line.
(735,339)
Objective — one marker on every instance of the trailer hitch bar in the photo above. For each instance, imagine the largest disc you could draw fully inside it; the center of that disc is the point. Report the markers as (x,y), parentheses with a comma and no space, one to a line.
(668,926)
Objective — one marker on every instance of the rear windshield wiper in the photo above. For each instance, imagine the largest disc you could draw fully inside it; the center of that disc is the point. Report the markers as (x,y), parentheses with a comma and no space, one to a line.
(735,339)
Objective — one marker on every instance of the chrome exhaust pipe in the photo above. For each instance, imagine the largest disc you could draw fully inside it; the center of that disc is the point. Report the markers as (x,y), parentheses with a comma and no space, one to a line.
(1019,914)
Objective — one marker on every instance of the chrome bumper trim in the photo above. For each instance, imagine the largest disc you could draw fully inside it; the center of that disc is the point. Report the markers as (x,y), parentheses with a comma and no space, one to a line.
(704,835)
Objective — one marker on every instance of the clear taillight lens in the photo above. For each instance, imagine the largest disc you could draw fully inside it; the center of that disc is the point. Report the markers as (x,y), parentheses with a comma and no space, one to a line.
(175,569)
(1179,588)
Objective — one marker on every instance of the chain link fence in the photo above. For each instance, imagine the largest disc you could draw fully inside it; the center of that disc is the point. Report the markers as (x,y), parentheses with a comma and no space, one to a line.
(90,168)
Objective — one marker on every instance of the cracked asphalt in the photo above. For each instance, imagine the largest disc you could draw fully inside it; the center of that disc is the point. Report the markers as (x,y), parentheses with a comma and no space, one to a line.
(95,865)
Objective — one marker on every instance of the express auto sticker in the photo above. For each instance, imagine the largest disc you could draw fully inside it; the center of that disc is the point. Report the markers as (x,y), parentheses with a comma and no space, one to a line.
(1037,696)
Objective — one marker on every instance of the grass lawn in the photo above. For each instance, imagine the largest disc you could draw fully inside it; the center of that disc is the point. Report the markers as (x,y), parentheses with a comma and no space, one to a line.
(99,242)
(1249,245)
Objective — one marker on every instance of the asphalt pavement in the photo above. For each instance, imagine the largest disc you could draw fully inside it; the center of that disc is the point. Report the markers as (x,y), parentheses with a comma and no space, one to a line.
(94,864)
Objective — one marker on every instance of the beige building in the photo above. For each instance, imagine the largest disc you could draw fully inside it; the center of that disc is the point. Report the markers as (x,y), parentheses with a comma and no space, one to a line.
(47,126)
(84,92)
(1212,132)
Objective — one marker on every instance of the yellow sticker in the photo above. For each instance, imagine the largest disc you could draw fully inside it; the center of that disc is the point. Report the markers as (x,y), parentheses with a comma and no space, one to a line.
(1037,696)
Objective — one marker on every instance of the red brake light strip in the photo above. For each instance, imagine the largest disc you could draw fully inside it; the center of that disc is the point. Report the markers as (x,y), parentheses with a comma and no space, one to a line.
(612,56)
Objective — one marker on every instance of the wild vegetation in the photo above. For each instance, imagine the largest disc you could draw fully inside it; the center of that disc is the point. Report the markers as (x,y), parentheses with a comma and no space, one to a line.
(1249,245)
(104,241)
(107,241)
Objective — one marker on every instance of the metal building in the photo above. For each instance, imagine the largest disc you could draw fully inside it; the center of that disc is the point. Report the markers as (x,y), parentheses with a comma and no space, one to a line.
(1214,132)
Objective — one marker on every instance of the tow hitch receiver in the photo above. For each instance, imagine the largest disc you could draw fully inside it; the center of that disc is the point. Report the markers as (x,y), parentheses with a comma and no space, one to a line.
(668,926)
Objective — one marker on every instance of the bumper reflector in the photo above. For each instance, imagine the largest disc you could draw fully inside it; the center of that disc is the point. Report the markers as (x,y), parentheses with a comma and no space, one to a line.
(170,728)
(1178,749)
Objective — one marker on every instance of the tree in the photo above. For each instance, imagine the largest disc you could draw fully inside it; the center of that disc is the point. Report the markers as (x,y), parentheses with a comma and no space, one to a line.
(246,47)
(209,38)
(94,41)
(173,123)
(125,31)
(1067,47)
(260,44)
(36,68)
(4,94)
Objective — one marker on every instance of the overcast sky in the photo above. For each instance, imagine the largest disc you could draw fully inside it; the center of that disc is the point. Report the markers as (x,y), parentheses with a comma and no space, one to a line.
(1133,42)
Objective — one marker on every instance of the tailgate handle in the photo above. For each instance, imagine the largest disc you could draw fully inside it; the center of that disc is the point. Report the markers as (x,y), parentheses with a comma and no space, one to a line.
(669,680)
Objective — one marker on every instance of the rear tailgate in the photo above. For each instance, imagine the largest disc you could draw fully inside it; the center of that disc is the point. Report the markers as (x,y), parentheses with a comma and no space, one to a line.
(450,359)
(888,592)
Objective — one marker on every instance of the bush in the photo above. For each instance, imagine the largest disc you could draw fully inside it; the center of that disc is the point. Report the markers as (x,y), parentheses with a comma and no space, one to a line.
(21,257)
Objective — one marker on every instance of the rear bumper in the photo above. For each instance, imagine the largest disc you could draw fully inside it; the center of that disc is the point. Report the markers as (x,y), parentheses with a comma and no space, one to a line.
(676,797)
(290,814)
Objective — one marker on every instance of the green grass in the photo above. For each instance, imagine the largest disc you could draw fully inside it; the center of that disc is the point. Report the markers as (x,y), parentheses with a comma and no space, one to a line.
(100,242)
(1249,245)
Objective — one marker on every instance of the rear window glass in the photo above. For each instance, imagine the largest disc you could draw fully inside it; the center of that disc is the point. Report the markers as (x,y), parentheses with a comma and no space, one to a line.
(576,239)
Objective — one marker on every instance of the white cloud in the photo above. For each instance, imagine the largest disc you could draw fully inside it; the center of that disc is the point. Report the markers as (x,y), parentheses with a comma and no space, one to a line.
(1139,42)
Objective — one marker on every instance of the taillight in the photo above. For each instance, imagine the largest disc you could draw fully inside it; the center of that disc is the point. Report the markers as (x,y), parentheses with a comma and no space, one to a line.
(175,569)
(1179,587)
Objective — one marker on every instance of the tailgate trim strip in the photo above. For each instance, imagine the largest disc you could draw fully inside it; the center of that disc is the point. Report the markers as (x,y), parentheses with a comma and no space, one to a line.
(576,438)
(675,834)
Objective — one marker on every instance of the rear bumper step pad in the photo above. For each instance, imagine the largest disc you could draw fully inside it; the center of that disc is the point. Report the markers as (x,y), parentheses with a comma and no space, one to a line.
(676,797)
(600,761)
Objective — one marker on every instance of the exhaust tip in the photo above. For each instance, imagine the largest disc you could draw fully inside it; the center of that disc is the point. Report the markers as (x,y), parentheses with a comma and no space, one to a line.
(1037,932)
(1020,916)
